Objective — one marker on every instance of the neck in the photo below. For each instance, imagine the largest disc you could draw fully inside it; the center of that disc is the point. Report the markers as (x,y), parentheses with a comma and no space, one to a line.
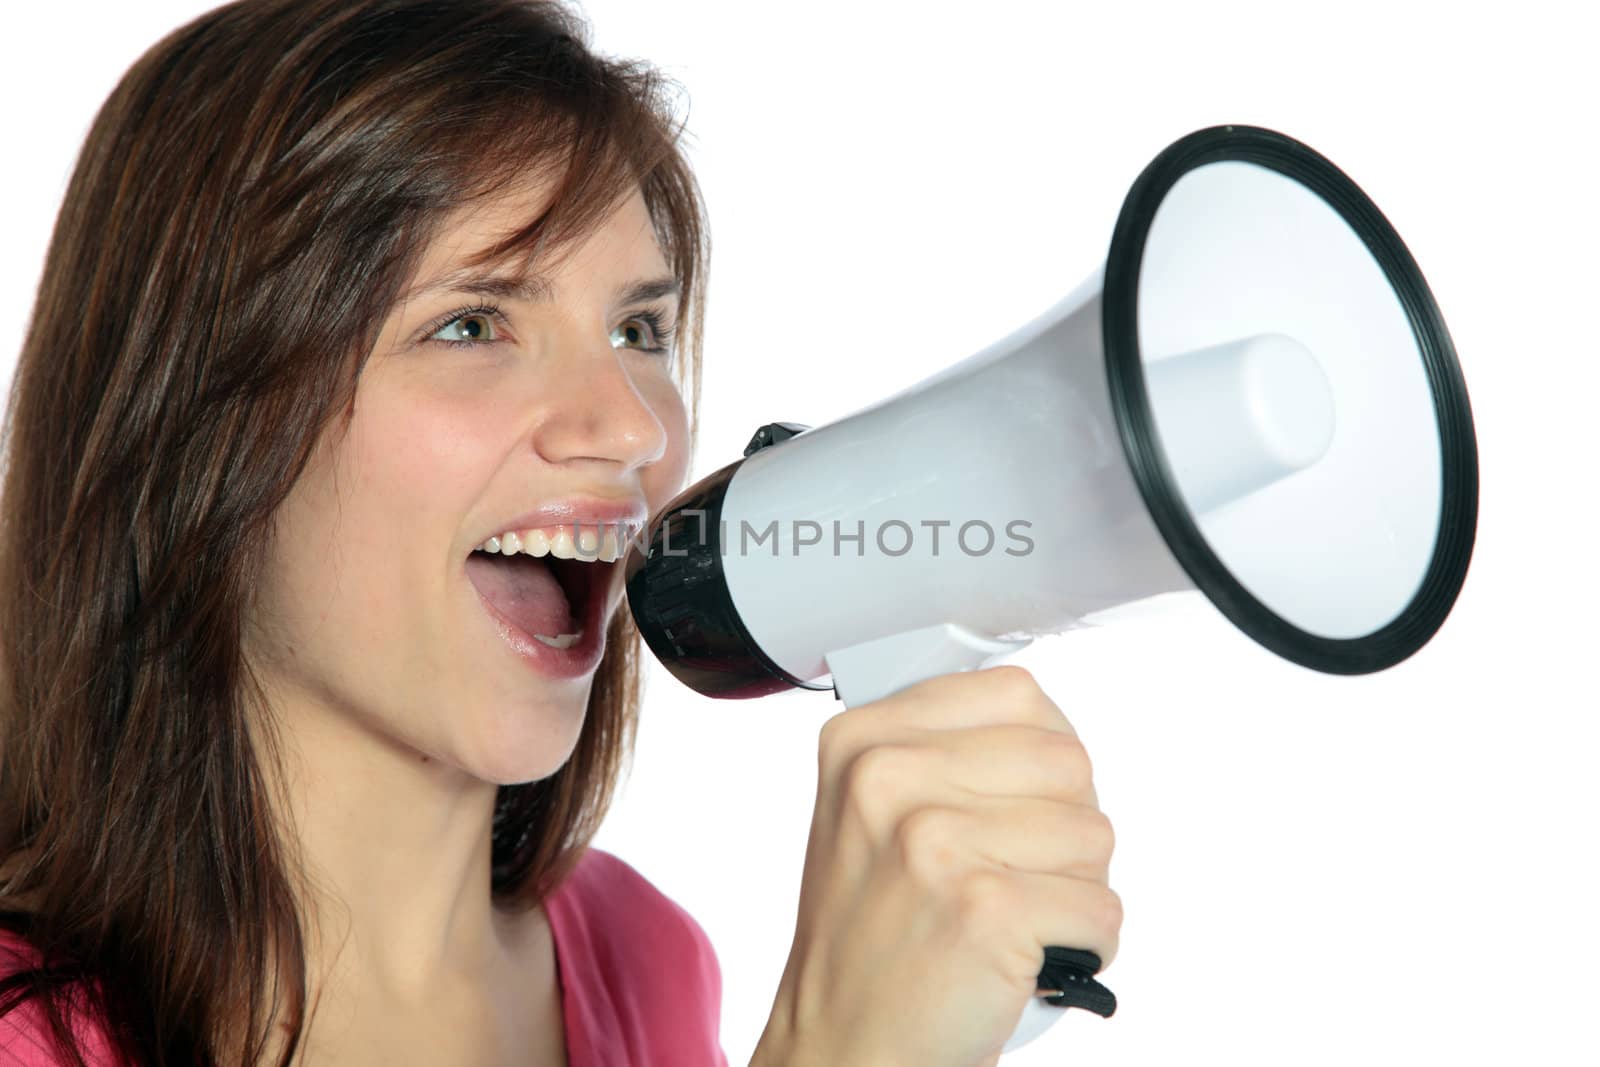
(396,850)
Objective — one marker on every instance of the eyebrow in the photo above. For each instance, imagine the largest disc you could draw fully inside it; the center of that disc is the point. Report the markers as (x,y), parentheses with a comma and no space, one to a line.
(535,289)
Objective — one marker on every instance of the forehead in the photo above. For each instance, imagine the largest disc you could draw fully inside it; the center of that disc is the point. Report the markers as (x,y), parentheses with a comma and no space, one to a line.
(622,243)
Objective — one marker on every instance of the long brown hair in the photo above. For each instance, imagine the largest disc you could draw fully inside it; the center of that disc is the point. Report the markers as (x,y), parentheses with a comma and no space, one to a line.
(253,195)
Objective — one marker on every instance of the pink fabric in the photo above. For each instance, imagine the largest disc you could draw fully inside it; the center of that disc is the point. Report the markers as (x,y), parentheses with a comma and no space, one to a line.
(25,1039)
(640,982)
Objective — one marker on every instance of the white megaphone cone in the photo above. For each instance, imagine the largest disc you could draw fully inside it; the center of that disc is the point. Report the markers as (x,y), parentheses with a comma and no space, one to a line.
(1256,398)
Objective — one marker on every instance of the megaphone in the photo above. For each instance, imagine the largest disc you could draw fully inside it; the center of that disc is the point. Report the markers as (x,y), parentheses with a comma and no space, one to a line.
(1255,398)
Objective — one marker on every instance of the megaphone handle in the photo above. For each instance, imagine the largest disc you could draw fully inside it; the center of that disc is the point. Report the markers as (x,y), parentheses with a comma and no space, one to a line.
(1072,971)
(875,669)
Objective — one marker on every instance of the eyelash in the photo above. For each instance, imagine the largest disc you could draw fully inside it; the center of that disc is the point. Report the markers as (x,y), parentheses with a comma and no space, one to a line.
(659,330)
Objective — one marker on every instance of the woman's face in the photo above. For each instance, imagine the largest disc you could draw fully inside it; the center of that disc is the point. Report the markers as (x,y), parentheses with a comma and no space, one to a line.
(375,612)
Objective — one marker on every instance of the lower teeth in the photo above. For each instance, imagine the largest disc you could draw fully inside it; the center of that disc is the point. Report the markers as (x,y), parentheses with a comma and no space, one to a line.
(560,640)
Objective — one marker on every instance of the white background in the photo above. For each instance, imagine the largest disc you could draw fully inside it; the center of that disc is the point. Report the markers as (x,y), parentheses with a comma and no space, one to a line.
(1391,869)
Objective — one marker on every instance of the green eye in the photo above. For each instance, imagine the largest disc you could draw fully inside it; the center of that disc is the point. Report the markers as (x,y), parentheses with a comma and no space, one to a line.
(629,334)
(475,326)
(645,332)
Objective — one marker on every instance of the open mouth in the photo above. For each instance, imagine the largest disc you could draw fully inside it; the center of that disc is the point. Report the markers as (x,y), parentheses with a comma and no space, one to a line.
(552,600)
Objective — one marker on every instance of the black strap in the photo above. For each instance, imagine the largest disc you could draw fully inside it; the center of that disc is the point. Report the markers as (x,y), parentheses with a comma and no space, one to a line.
(1072,971)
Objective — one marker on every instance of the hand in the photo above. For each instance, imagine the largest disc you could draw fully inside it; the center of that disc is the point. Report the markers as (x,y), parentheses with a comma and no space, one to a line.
(956,834)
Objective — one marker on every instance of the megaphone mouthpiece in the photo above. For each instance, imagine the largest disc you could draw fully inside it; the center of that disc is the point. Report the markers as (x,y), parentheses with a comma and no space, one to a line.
(1240,415)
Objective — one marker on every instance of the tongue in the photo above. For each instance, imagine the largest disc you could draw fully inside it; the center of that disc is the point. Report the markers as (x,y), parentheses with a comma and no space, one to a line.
(523,590)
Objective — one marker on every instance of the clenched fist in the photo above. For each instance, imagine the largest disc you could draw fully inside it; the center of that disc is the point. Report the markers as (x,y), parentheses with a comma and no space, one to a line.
(956,834)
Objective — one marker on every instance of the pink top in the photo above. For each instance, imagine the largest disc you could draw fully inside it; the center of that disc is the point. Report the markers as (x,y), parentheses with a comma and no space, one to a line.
(640,983)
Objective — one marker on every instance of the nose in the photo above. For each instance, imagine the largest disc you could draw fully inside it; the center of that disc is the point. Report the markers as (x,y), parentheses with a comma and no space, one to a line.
(597,411)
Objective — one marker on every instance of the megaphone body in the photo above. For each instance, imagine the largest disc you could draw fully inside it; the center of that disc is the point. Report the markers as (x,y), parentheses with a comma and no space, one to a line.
(1255,398)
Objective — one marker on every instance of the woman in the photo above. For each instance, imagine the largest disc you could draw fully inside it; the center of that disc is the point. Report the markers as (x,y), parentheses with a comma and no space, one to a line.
(350,308)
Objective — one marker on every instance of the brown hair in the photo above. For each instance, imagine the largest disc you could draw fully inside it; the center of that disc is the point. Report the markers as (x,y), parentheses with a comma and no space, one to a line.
(255,193)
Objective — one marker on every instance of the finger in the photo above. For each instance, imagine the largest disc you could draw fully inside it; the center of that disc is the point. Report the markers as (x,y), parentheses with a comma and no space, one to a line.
(1010,760)
(941,846)
(1074,913)
(1003,694)
(1023,834)
(886,782)
(1043,910)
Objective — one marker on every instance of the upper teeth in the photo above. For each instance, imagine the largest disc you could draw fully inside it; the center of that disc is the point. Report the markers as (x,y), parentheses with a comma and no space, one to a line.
(603,543)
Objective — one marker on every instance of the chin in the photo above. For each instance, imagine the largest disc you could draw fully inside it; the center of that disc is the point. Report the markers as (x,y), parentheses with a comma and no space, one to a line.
(524,746)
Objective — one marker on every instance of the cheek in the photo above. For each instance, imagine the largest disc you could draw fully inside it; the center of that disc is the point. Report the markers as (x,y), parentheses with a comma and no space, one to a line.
(420,456)
(375,529)
(417,454)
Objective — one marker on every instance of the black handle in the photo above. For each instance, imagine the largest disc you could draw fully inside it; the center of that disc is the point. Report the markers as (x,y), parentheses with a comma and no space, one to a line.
(1068,973)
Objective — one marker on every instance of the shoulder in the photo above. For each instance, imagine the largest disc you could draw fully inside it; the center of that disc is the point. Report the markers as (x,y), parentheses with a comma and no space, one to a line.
(639,976)
(601,876)
(25,1033)
(619,903)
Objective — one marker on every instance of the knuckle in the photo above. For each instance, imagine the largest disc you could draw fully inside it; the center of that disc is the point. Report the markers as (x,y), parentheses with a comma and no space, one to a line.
(1096,837)
(1068,757)
(878,768)
(987,898)
(1109,912)
(1052,718)
(1099,914)
(832,743)
(876,777)
(1015,683)
(1019,690)
(928,845)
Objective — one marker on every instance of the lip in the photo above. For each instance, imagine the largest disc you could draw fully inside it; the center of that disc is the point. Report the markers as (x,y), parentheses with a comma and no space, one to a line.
(577,510)
(584,657)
